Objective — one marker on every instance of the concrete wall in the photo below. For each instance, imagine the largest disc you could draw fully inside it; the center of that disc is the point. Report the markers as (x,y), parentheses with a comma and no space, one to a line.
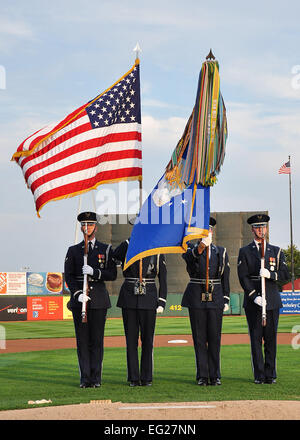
(231,231)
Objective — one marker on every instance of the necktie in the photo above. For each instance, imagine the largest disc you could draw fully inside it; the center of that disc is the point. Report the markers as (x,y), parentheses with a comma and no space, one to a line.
(259,248)
(90,247)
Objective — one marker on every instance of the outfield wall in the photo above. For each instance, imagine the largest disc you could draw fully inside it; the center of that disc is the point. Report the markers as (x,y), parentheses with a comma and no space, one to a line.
(30,296)
(54,307)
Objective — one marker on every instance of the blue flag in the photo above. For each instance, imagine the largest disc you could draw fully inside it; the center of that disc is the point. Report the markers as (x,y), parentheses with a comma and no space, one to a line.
(169,218)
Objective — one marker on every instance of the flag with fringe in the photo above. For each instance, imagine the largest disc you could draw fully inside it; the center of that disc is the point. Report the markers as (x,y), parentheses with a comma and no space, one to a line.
(178,208)
(98,143)
(200,151)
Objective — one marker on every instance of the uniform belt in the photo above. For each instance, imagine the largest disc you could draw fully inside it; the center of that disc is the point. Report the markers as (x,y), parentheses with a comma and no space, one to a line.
(201,281)
(144,280)
(89,278)
(255,277)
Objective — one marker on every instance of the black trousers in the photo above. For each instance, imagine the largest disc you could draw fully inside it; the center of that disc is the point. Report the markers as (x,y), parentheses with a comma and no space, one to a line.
(89,338)
(206,325)
(264,365)
(139,322)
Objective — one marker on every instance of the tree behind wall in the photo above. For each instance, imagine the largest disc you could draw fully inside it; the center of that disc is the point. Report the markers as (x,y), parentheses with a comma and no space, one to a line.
(296,253)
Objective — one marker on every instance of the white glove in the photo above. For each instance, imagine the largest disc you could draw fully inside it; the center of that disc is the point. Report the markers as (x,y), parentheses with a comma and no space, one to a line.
(87,270)
(159,309)
(83,297)
(259,301)
(264,273)
(226,308)
(207,240)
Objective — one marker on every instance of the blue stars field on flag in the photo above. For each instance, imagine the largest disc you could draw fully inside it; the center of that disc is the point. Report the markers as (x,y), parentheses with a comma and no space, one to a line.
(120,104)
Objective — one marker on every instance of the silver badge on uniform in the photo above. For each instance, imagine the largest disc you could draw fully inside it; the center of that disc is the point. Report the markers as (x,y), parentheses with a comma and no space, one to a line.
(140,288)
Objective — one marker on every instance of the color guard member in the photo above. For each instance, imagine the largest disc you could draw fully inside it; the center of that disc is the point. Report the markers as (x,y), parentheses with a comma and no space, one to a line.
(250,273)
(140,302)
(206,306)
(100,267)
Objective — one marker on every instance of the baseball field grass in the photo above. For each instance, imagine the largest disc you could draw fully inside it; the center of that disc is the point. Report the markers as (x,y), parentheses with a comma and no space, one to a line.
(53,375)
(114,327)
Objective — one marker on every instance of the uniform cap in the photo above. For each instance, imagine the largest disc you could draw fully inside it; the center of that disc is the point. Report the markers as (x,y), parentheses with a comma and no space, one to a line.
(87,217)
(258,220)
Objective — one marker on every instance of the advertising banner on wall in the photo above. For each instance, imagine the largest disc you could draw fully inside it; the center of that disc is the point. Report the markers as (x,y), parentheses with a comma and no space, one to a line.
(13,308)
(44,308)
(290,302)
(12,283)
(44,283)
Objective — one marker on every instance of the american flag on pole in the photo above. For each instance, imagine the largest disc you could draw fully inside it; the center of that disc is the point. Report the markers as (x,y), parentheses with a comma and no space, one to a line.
(285,168)
(100,142)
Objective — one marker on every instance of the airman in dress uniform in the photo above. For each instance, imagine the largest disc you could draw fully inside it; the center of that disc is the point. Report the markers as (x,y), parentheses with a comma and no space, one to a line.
(140,302)
(206,306)
(250,273)
(100,267)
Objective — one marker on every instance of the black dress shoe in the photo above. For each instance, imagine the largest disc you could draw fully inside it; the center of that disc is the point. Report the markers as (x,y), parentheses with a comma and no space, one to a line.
(96,385)
(134,383)
(146,383)
(258,381)
(203,382)
(84,385)
(215,382)
(270,380)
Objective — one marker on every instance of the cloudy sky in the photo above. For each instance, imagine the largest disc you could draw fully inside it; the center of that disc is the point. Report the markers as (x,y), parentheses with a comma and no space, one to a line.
(57,55)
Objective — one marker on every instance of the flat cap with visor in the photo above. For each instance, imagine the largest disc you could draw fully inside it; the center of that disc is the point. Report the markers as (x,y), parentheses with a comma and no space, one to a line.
(258,220)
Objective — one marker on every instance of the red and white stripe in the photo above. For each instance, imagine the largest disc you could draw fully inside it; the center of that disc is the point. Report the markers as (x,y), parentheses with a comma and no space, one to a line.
(285,169)
(76,157)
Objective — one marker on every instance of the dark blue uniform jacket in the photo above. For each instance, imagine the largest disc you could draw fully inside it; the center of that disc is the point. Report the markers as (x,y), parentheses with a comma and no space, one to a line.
(153,266)
(249,264)
(100,259)
(218,270)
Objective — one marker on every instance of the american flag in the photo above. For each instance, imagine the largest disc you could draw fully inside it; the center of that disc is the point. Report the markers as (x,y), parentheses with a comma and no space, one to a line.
(100,142)
(285,168)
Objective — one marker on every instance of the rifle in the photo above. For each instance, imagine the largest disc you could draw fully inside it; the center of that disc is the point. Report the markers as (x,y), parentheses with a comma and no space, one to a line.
(85,289)
(263,285)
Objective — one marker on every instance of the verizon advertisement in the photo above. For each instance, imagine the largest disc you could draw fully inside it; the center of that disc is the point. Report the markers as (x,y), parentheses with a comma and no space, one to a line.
(13,308)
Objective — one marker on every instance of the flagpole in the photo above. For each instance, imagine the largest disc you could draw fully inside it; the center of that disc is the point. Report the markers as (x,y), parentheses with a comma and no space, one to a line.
(94,201)
(78,211)
(137,50)
(291,225)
